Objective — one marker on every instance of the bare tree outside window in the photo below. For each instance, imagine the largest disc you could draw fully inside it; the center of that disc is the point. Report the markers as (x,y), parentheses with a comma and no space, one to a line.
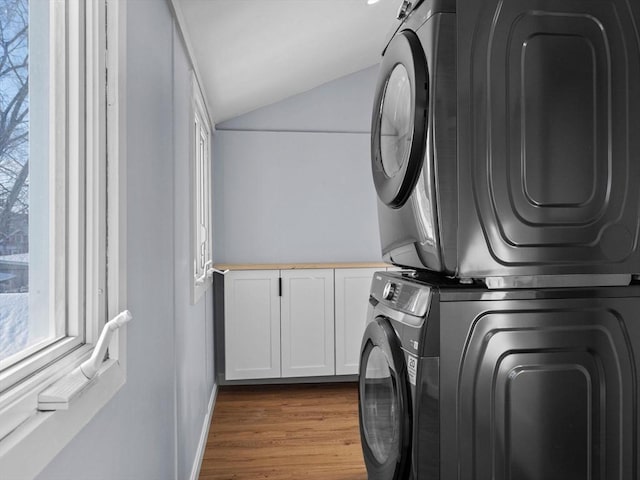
(14,174)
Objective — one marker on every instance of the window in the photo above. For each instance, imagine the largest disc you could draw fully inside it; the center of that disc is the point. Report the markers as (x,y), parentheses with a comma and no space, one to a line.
(201,161)
(44,189)
(61,211)
(17,334)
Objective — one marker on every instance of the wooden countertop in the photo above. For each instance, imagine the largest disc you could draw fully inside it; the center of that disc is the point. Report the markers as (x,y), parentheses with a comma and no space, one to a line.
(297,266)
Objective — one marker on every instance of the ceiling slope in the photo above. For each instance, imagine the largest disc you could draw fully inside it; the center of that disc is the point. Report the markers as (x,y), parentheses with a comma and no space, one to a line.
(252,53)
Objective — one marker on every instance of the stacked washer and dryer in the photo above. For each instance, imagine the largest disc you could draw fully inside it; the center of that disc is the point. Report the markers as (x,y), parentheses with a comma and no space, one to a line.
(506,158)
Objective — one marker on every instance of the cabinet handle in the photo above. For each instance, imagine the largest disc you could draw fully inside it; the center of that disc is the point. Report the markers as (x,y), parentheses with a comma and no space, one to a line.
(279,286)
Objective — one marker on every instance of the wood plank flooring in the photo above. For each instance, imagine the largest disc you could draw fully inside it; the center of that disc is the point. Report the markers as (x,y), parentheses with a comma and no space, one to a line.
(291,432)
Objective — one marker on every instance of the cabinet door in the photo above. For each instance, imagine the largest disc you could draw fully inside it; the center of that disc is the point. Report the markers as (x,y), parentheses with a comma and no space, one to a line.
(252,324)
(352,301)
(307,323)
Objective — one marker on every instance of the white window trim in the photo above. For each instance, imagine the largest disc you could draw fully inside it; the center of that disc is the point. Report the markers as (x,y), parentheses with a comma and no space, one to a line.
(65,212)
(34,437)
(201,180)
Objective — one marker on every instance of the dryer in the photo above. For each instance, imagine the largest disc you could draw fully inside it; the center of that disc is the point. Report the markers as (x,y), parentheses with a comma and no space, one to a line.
(465,382)
(506,140)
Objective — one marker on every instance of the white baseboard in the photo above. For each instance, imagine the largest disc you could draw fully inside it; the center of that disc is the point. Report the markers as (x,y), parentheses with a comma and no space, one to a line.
(202,444)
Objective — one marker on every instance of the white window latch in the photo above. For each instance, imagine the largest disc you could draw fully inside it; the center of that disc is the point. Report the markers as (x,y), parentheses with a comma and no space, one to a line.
(209,270)
(213,270)
(59,395)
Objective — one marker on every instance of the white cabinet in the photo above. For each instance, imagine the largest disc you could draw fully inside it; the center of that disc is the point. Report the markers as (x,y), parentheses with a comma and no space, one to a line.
(306,322)
(352,287)
(295,322)
(252,324)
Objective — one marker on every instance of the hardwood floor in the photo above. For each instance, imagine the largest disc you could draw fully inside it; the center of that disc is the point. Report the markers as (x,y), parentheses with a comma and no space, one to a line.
(294,432)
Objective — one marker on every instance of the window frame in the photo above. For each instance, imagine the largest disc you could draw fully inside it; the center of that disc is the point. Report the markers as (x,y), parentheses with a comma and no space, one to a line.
(202,222)
(23,428)
(66,198)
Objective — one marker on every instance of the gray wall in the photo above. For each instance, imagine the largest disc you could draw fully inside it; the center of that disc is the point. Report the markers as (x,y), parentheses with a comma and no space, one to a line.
(298,169)
(151,429)
(292,181)
(343,105)
(193,323)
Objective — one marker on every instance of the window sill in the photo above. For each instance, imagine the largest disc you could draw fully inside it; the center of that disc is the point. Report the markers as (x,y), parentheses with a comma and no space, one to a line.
(42,435)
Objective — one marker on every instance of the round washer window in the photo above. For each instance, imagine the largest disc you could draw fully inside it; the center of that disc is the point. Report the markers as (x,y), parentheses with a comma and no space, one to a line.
(380,413)
(396,121)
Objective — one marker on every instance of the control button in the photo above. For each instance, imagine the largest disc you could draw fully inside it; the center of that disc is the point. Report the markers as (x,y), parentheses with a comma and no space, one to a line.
(389,291)
(404,9)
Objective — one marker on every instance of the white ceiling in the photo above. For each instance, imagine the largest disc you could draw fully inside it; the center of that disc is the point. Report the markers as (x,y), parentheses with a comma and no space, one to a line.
(251,53)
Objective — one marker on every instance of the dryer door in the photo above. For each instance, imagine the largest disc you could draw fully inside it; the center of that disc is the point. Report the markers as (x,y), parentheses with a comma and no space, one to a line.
(384,407)
(399,123)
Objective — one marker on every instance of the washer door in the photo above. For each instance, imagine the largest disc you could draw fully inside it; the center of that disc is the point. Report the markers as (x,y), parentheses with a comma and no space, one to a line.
(399,124)
(384,407)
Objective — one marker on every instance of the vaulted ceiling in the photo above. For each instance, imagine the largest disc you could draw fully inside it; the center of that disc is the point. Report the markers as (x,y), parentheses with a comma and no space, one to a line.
(251,53)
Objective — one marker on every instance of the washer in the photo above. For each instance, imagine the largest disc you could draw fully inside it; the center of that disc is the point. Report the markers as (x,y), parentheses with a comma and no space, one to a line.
(503,139)
(459,381)
(396,411)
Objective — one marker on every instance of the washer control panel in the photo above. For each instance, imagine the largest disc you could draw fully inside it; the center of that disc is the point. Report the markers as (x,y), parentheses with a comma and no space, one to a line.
(389,291)
(401,293)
